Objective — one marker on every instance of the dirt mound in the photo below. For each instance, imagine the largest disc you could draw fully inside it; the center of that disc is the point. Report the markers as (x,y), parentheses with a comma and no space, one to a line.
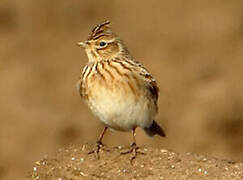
(74,162)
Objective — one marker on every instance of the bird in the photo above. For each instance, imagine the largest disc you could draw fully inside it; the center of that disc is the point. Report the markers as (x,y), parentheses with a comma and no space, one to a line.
(119,90)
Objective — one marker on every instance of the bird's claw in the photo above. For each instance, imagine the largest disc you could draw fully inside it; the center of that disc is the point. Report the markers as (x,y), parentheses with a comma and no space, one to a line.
(98,147)
(135,150)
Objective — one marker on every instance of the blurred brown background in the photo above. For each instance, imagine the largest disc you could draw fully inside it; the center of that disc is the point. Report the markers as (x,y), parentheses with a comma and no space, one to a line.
(193,48)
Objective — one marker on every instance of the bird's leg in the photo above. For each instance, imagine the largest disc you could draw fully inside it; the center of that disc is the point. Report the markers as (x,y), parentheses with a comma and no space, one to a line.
(133,148)
(99,144)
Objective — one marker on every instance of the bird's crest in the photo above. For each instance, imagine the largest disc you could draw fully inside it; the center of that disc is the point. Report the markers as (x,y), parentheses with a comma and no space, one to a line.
(100,30)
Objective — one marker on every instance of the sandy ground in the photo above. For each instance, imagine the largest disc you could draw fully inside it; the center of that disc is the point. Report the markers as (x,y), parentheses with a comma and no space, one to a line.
(74,163)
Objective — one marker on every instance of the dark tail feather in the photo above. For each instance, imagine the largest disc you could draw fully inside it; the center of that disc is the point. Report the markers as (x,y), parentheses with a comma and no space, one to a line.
(154,129)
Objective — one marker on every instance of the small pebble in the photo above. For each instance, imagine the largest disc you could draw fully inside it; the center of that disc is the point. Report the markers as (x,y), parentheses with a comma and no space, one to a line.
(35,168)
(82,174)
(199,170)
(163,151)
(204,159)
(73,158)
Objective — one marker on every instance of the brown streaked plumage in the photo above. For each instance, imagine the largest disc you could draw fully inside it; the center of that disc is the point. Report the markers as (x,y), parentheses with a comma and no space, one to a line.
(118,89)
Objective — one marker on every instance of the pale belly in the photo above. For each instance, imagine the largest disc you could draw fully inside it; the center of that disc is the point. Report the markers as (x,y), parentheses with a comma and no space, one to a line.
(121,110)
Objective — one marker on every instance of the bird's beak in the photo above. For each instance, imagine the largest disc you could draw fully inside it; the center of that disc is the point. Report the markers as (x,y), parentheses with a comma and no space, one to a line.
(83,44)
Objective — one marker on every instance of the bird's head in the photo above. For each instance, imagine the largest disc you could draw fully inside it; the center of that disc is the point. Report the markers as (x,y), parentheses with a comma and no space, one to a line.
(103,44)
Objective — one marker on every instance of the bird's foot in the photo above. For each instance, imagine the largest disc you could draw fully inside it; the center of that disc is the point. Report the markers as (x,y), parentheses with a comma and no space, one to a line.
(98,147)
(134,149)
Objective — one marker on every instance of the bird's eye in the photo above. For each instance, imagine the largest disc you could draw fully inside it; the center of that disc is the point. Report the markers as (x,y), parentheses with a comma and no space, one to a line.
(102,44)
